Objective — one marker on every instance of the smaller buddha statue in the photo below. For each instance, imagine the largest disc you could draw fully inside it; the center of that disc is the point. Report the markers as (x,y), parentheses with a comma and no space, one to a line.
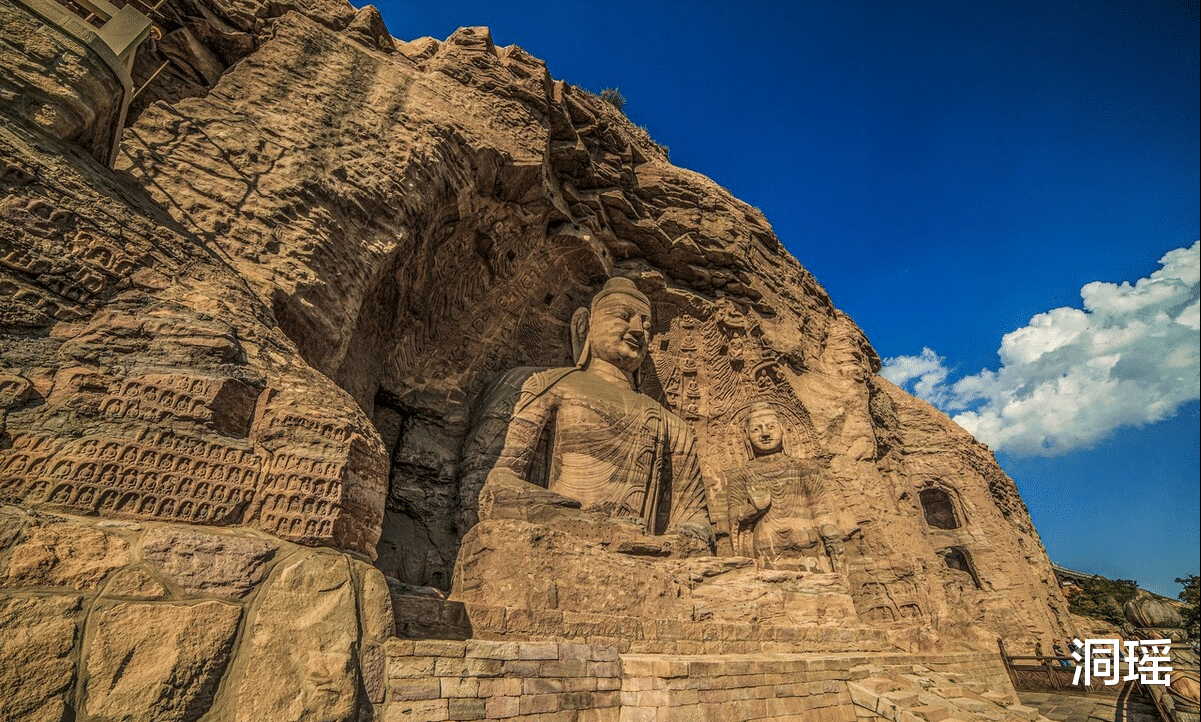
(777,508)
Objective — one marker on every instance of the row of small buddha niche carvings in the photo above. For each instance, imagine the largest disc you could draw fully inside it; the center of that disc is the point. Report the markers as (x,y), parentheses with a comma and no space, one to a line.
(586,433)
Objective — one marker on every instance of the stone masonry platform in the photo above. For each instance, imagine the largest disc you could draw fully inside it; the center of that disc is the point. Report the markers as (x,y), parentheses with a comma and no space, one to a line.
(1091,708)
(435,680)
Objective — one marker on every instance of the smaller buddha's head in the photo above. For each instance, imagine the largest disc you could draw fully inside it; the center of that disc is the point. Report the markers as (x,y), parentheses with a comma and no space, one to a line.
(619,325)
(764,430)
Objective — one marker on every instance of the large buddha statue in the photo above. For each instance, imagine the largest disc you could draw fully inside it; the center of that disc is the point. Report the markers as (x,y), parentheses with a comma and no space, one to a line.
(778,511)
(588,437)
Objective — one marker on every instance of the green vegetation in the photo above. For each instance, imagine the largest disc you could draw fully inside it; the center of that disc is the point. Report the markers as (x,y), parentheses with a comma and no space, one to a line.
(613,97)
(1191,596)
(1103,598)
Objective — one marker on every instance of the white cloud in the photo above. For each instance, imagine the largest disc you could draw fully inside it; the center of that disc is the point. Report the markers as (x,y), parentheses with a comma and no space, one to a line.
(1072,376)
(924,375)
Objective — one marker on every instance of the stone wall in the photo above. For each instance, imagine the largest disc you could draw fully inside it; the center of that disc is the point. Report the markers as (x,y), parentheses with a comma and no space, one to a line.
(430,681)
(477,679)
(153,621)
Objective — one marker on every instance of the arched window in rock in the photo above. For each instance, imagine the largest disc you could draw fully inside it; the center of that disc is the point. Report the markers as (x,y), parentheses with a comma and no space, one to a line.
(957,558)
(939,509)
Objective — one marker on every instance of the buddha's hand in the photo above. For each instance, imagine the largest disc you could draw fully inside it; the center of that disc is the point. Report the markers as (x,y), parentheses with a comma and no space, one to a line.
(830,532)
(505,486)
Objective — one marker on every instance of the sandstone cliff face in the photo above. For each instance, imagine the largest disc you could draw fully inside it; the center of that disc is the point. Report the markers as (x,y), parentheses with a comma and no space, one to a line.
(321,245)
(132,620)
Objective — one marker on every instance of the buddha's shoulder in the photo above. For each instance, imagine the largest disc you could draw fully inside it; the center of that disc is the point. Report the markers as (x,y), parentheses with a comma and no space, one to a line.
(595,390)
(538,381)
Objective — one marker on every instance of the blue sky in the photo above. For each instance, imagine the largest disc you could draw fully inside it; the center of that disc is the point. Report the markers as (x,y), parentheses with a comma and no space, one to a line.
(953,173)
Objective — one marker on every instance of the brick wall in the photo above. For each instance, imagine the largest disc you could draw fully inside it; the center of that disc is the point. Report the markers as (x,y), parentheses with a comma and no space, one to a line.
(433,680)
(735,687)
(436,680)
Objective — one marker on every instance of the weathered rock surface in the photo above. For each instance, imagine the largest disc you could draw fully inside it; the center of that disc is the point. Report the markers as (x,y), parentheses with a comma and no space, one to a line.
(37,638)
(144,380)
(507,197)
(59,555)
(136,584)
(203,563)
(451,197)
(171,629)
(158,662)
(56,81)
(300,658)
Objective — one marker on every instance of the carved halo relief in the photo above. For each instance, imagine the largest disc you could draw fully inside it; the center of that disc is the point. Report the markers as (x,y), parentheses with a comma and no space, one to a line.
(708,359)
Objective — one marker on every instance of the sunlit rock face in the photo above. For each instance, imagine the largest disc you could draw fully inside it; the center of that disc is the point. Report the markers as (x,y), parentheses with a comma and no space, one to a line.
(304,307)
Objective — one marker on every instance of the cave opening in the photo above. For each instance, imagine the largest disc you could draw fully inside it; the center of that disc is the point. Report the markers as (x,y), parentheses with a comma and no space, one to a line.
(939,509)
(960,560)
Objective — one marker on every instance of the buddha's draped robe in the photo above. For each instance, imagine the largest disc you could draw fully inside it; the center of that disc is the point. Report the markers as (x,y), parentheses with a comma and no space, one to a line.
(789,527)
(616,451)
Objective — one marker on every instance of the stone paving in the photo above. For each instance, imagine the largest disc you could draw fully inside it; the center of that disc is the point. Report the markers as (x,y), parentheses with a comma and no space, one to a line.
(1090,708)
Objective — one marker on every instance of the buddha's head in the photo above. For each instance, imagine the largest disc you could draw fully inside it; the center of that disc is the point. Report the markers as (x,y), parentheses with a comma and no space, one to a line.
(619,325)
(763,430)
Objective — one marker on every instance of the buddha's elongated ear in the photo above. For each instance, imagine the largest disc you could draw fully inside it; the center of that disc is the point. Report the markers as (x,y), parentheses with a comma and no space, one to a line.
(579,335)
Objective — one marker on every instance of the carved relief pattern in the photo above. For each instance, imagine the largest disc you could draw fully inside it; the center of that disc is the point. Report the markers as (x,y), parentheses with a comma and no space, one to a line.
(711,362)
(885,594)
(710,365)
(134,467)
(159,474)
(522,297)
(160,397)
(60,264)
(300,496)
(302,487)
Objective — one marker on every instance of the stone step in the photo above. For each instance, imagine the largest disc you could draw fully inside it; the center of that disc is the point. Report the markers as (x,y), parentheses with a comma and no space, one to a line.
(947,690)
(971,704)
(900,697)
(998,697)
(922,680)
(1021,711)
(922,695)
(931,712)
(880,685)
